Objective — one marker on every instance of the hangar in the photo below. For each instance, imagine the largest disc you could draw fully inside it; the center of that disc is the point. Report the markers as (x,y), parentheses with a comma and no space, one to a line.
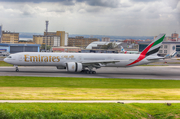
(14,48)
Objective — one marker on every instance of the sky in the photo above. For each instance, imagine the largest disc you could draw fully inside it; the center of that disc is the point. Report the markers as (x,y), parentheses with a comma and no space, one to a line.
(92,17)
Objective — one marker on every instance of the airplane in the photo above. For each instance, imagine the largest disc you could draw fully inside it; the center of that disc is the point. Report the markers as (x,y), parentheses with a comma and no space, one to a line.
(128,52)
(86,62)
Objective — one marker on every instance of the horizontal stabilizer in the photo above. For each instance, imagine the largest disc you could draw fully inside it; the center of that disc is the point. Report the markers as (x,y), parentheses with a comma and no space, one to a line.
(155,58)
(165,57)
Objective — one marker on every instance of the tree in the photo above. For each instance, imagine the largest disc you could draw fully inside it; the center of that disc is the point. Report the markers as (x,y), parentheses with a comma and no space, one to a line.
(47,47)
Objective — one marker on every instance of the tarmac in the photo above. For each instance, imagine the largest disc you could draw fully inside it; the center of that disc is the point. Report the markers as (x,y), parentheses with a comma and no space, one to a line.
(137,72)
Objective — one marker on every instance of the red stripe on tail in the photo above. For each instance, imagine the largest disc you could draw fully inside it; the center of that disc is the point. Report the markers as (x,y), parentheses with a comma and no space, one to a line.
(142,55)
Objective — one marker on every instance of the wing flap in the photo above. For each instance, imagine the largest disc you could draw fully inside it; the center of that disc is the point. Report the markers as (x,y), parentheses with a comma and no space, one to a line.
(100,61)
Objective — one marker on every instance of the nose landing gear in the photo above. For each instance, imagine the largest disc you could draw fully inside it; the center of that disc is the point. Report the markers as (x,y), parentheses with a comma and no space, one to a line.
(17,70)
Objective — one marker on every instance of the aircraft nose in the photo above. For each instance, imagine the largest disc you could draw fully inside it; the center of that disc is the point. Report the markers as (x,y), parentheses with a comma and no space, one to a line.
(5,59)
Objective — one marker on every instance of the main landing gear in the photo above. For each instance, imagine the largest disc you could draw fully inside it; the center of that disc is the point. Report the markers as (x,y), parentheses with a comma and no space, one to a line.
(89,72)
(17,70)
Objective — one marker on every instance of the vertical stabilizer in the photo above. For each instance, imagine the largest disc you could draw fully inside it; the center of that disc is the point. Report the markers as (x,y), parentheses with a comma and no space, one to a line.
(154,46)
(151,49)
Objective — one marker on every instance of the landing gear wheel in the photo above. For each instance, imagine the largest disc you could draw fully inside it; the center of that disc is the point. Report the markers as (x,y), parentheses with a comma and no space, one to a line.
(83,71)
(93,72)
(17,70)
(87,72)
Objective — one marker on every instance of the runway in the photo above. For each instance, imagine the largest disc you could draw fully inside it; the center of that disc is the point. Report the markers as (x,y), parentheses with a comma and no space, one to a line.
(137,72)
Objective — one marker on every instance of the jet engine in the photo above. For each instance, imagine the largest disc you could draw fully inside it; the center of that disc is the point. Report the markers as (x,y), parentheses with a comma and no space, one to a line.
(74,67)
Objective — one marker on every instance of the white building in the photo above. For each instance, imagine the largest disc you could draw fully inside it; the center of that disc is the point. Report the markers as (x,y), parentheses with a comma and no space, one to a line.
(66,39)
(57,41)
(99,43)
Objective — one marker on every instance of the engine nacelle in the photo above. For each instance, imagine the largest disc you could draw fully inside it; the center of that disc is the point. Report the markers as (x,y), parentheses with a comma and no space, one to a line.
(74,67)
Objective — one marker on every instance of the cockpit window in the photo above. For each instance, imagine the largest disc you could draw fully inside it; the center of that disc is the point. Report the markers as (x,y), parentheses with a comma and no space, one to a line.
(9,57)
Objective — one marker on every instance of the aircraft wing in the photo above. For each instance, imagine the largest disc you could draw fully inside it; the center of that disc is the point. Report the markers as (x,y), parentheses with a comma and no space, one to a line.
(100,61)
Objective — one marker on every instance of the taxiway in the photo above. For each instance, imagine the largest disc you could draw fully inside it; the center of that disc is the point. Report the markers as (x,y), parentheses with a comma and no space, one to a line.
(137,72)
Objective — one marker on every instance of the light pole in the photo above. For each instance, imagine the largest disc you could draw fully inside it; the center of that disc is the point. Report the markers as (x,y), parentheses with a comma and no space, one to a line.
(47,22)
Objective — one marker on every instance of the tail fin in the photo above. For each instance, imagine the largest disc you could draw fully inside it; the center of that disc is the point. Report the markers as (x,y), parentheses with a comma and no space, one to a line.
(122,50)
(153,47)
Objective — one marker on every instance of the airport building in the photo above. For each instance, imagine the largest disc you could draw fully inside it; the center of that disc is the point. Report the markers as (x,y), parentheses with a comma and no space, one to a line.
(66,49)
(80,41)
(100,51)
(9,37)
(15,48)
(100,44)
(26,41)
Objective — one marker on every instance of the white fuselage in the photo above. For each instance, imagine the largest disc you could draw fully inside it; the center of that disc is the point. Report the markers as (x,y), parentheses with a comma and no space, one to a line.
(60,59)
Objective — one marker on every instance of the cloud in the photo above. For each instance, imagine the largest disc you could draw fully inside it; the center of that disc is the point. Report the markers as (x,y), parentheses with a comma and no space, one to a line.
(64,2)
(30,10)
(35,1)
(112,17)
(143,0)
(172,3)
(102,3)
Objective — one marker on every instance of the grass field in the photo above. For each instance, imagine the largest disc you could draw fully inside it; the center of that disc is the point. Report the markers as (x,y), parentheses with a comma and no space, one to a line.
(73,82)
(2,63)
(89,111)
(64,88)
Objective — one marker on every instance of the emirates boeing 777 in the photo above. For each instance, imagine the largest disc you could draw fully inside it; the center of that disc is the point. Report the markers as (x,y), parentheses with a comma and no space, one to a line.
(86,62)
